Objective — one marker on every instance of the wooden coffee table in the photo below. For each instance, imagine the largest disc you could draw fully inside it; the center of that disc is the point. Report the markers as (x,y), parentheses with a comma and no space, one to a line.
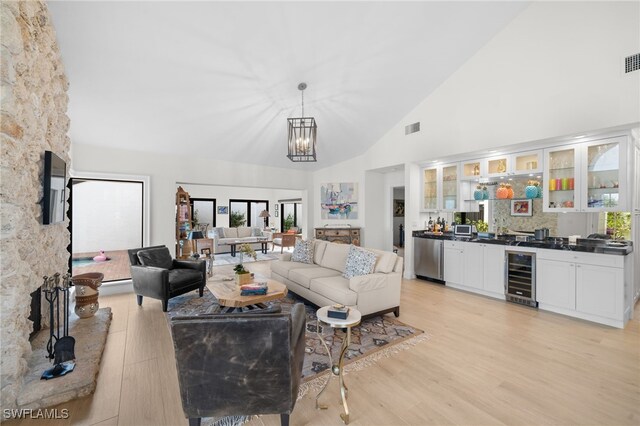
(229,298)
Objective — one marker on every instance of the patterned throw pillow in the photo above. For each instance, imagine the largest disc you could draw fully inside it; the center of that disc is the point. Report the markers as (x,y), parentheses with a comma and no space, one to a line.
(359,262)
(303,252)
(256,232)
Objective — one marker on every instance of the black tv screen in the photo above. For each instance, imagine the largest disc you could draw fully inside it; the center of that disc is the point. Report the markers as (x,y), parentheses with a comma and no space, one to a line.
(55,181)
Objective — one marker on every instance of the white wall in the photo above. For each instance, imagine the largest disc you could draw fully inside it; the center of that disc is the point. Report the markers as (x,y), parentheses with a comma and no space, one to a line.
(556,69)
(167,170)
(223,194)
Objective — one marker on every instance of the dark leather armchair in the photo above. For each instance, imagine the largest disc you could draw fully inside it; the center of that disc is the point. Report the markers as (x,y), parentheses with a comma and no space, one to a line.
(239,364)
(156,274)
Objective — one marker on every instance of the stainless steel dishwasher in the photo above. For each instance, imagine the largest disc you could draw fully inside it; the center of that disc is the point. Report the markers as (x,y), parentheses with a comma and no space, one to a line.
(428,258)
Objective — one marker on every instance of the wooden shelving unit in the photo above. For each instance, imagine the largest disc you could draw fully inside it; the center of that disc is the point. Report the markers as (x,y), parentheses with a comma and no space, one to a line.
(183,223)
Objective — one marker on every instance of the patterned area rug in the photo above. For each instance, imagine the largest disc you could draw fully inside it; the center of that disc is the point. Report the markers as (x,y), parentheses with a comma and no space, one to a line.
(227,259)
(375,338)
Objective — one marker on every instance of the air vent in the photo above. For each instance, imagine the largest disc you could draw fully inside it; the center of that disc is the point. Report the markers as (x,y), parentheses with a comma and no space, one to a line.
(412,128)
(632,63)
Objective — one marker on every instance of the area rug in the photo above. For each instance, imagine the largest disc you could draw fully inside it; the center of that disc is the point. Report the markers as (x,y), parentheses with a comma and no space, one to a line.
(227,259)
(375,338)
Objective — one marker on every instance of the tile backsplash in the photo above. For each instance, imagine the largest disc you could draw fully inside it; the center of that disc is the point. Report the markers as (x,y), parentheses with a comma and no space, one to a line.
(502,212)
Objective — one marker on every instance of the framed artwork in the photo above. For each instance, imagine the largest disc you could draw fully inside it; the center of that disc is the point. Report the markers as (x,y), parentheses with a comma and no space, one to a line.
(339,200)
(223,209)
(275,213)
(276,207)
(521,208)
(205,251)
(398,208)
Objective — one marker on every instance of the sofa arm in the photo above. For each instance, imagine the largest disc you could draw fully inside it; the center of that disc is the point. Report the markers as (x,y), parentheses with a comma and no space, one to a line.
(188,264)
(150,281)
(368,282)
(286,257)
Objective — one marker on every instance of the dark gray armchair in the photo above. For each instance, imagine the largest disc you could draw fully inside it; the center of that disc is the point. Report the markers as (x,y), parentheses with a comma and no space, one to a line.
(239,364)
(156,274)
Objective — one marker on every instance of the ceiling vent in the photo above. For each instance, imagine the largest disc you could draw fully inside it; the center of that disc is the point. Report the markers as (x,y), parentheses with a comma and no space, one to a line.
(632,63)
(412,128)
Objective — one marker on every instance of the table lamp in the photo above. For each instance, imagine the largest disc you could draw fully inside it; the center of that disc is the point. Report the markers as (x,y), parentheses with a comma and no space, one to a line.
(195,235)
(265,214)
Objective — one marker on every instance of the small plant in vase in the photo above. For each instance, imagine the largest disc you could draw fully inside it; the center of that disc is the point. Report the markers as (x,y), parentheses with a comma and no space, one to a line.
(243,276)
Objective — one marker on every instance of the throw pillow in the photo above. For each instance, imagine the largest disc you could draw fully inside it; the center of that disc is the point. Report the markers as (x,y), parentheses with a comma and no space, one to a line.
(256,232)
(158,257)
(359,262)
(303,252)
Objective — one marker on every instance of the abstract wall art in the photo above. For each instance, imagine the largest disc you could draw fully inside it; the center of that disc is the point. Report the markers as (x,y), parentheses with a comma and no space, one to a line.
(339,200)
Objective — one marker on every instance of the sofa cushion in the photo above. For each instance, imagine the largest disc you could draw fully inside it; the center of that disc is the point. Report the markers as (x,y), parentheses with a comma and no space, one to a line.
(303,252)
(283,267)
(158,257)
(306,275)
(336,289)
(335,256)
(216,233)
(244,232)
(359,262)
(180,278)
(319,246)
(386,261)
(230,232)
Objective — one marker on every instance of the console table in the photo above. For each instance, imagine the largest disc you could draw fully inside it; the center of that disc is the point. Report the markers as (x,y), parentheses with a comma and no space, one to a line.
(346,235)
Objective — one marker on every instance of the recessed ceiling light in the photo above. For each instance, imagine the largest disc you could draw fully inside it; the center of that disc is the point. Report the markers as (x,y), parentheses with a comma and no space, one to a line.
(491,151)
(579,136)
(435,161)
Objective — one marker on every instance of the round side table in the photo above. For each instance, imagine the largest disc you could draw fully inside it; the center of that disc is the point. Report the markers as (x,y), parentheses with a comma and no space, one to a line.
(352,320)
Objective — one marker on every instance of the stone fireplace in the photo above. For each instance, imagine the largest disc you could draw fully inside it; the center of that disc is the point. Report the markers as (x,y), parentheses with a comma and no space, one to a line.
(33,108)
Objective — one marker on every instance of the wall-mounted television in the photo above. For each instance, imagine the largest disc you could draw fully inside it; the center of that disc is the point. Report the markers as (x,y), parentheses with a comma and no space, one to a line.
(55,181)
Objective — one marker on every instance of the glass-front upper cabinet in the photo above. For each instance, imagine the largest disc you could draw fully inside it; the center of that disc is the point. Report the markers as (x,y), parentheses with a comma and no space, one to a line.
(498,166)
(450,187)
(473,169)
(561,169)
(526,162)
(605,175)
(587,177)
(430,189)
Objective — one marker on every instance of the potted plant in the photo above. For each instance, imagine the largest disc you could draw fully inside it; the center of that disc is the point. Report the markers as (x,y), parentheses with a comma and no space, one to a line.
(243,276)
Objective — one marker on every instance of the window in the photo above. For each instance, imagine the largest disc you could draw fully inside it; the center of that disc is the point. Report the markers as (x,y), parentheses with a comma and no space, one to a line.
(291,215)
(203,213)
(246,212)
(106,215)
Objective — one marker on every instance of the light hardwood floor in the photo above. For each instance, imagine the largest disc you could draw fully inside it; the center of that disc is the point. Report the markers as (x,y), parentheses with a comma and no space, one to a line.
(487,362)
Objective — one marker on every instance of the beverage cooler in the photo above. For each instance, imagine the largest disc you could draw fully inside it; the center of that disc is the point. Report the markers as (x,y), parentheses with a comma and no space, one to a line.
(521,278)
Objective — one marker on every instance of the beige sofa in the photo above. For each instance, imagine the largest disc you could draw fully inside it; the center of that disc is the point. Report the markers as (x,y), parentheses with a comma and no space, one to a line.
(223,236)
(322,282)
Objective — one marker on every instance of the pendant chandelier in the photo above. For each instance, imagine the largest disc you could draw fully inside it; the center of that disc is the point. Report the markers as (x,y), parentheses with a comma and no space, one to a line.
(302,135)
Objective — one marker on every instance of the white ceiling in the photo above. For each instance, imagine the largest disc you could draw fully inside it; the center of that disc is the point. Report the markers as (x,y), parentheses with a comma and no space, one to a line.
(219,79)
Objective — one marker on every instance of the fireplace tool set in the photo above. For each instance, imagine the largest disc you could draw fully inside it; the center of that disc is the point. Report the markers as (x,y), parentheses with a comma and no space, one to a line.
(61,346)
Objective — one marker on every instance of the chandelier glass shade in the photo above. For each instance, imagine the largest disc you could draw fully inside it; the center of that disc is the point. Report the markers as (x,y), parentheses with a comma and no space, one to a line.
(302,135)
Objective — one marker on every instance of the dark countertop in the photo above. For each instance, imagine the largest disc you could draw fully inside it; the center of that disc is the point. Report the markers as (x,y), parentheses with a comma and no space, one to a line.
(621,248)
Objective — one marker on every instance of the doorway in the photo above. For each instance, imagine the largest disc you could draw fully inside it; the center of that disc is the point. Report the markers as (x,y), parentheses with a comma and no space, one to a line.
(397,218)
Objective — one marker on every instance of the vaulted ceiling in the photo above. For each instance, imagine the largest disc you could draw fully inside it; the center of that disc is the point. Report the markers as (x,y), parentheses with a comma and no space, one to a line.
(219,79)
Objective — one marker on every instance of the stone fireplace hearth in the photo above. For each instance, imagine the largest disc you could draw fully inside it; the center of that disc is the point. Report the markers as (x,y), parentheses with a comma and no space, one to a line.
(33,109)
